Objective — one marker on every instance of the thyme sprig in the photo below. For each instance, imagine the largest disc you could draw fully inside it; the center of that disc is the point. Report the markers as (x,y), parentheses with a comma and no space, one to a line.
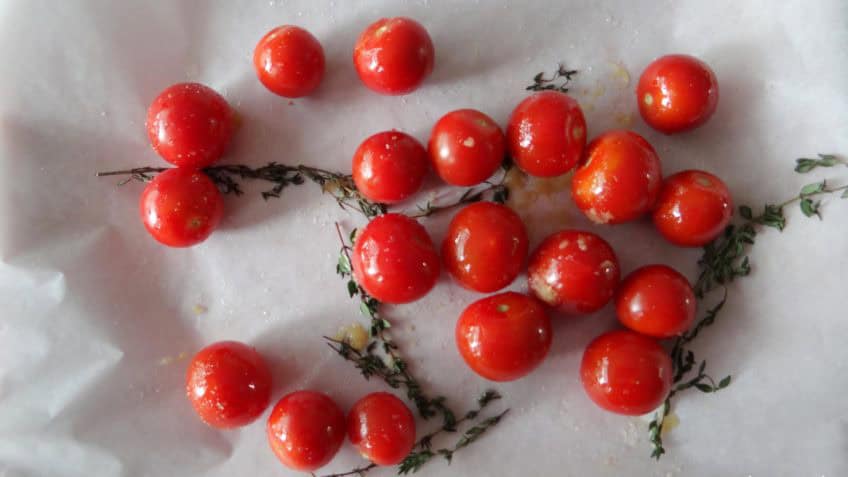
(496,190)
(558,82)
(226,177)
(724,260)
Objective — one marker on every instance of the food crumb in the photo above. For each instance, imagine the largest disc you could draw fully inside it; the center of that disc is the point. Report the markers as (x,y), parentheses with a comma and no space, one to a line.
(354,335)
(199,309)
(670,422)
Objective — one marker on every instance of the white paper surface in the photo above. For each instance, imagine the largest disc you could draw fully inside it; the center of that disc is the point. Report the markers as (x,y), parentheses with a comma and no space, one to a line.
(98,319)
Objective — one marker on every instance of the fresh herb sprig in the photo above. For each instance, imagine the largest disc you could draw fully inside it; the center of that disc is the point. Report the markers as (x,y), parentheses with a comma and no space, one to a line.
(559,81)
(226,177)
(724,260)
(496,190)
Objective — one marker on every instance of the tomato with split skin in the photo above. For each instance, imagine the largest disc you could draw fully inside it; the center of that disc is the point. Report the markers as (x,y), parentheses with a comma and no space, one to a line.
(466,147)
(677,93)
(181,207)
(574,271)
(305,430)
(382,428)
(289,61)
(393,56)
(505,336)
(618,179)
(394,259)
(190,125)
(626,373)
(228,384)
(546,134)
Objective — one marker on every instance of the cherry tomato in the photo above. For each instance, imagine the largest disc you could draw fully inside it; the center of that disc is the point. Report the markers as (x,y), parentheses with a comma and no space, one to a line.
(394,259)
(677,93)
(466,147)
(574,271)
(382,428)
(389,167)
(181,207)
(305,430)
(694,207)
(229,384)
(656,300)
(626,373)
(485,246)
(546,134)
(190,125)
(619,178)
(289,61)
(505,336)
(394,55)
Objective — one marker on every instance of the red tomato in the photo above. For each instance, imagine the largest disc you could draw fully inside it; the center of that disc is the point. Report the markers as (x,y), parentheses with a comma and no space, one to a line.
(485,246)
(677,93)
(466,147)
(626,373)
(505,336)
(190,125)
(394,259)
(289,61)
(394,55)
(306,430)
(229,384)
(694,207)
(546,134)
(382,428)
(656,300)
(574,271)
(619,178)
(389,167)
(181,207)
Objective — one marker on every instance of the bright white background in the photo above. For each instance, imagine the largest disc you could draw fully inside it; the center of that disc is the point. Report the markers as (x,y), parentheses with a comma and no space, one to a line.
(97,318)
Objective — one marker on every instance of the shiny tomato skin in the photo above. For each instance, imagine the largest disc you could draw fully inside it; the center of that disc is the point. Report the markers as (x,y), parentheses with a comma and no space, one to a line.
(574,271)
(677,93)
(485,247)
(393,56)
(389,167)
(228,384)
(546,134)
(505,336)
(305,430)
(190,125)
(394,259)
(626,373)
(289,61)
(382,428)
(694,207)
(181,207)
(657,301)
(618,179)
(466,147)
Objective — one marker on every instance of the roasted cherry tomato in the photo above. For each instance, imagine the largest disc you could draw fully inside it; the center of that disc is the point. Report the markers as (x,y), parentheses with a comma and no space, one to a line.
(394,259)
(677,93)
(229,384)
(505,336)
(190,125)
(382,428)
(181,207)
(694,207)
(626,373)
(289,61)
(546,134)
(656,300)
(574,271)
(394,55)
(466,147)
(618,179)
(306,430)
(389,166)
(485,246)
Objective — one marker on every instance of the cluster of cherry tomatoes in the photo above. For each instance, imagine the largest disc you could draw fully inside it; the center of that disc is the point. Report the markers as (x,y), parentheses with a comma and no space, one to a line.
(616,178)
